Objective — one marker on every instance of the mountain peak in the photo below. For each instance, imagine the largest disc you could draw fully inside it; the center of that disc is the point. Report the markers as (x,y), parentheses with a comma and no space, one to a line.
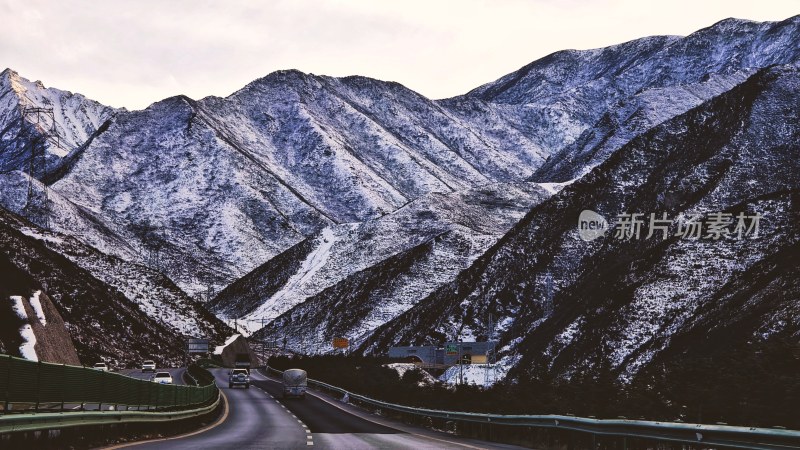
(285,76)
(10,79)
(282,78)
(732,24)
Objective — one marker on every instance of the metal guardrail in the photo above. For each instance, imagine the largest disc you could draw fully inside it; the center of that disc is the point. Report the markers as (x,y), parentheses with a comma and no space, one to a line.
(39,395)
(685,433)
(45,421)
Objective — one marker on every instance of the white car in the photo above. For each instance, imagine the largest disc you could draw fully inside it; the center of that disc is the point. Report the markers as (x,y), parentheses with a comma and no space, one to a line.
(162,378)
(101,367)
(149,366)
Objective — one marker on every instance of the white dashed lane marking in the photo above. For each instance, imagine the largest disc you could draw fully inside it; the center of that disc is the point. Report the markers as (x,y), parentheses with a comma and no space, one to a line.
(309,437)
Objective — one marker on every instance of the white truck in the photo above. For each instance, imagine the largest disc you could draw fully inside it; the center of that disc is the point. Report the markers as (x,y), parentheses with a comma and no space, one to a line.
(295,382)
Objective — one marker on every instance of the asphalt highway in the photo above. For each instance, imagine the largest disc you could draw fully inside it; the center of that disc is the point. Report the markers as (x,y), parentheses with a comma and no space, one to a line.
(177,374)
(257,418)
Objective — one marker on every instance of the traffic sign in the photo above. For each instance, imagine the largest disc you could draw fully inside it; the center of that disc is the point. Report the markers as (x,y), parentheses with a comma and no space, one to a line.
(197,346)
(341,343)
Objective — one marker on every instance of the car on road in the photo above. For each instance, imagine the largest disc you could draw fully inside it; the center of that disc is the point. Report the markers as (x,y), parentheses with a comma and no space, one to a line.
(162,378)
(148,366)
(101,366)
(295,382)
(239,377)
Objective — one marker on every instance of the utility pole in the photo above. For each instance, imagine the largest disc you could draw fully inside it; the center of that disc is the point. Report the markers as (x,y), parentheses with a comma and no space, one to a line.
(489,351)
(460,363)
(263,344)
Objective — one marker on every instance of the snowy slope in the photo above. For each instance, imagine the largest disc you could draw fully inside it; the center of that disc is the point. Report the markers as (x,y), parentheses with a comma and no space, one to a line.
(223,185)
(563,95)
(628,118)
(381,268)
(618,305)
(156,296)
(102,323)
(76,119)
(218,186)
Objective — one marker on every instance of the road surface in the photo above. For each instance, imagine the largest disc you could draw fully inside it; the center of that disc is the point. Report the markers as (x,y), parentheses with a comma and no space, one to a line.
(258,420)
(177,374)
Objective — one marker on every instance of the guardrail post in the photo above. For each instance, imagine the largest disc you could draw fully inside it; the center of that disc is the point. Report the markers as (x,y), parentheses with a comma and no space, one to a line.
(63,377)
(8,383)
(138,396)
(102,391)
(38,376)
(83,395)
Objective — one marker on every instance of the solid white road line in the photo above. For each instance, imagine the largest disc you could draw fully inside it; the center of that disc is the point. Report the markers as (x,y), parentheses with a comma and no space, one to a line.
(219,422)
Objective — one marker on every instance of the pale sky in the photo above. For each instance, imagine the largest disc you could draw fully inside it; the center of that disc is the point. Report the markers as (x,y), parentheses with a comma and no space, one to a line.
(133,53)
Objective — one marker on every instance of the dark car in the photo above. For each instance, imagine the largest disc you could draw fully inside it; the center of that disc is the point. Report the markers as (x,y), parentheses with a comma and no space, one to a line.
(239,377)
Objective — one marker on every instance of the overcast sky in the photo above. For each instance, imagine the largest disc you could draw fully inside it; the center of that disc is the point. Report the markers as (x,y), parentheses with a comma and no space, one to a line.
(132,53)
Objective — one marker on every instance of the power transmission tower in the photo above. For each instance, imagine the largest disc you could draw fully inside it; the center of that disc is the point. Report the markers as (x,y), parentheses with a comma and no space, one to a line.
(154,243)
(209,291)
(547,305)
(35,134)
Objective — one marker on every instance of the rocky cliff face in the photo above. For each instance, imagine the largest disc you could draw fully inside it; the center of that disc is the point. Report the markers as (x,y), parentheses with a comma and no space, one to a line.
(33,328)
(112,310)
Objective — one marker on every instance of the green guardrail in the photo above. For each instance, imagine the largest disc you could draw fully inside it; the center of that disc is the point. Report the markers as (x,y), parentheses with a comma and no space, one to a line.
(702,435)
(32,387)
(14,423)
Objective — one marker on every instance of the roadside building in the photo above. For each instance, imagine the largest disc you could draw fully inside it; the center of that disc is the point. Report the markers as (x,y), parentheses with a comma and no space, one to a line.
(448,354)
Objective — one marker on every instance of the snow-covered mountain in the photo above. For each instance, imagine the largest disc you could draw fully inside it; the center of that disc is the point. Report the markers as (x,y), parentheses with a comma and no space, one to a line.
(413,250)
(76,120)
(595,101)
(348,205)
(619,304)
(223,185)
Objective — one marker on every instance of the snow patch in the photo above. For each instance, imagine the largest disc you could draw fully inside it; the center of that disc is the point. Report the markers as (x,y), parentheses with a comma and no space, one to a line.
(27,349)
(37,235)
(477,374)
(402,368)
(286,298)
(555,188)
(19,307)
(220,348)
(37,308)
